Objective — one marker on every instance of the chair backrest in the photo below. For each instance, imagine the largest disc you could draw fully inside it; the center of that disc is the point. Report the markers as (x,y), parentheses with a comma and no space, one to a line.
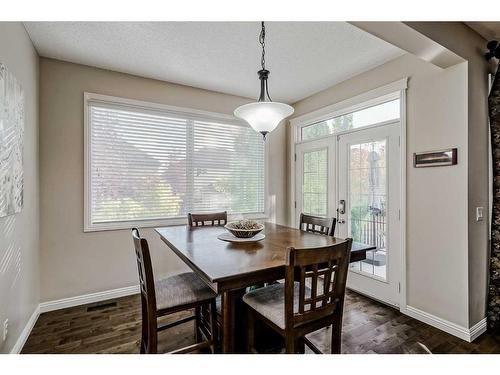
(148,295)
(213,219)
(326,268)
(145,268)
(316,224)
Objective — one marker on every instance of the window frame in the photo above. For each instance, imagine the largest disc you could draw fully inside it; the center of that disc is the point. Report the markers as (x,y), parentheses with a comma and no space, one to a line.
(89,226)
(345,111)
(382,94)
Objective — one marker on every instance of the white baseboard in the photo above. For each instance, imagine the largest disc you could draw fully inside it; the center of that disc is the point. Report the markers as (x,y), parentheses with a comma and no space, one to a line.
(437,322)
(478,329)
(88,298)
(21,340)
(69,302)
(467,334)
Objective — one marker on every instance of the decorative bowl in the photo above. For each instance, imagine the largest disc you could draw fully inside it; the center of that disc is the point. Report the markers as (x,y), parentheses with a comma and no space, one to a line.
(244,228)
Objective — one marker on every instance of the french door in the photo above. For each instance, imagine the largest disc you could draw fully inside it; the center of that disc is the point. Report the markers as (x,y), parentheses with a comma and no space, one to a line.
(356,177)
(369,187)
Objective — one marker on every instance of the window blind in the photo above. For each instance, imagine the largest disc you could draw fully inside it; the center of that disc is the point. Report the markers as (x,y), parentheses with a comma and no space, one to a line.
(149,164)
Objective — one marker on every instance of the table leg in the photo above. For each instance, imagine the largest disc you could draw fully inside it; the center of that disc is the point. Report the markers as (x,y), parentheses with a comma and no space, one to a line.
(231,330)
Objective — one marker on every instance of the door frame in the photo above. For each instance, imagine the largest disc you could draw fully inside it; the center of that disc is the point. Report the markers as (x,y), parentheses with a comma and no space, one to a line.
(379,95)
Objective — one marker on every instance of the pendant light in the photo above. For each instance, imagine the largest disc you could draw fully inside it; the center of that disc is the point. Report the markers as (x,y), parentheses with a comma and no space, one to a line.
(263,115)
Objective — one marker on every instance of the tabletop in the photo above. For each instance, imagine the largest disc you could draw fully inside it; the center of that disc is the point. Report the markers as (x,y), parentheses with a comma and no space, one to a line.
(218,261)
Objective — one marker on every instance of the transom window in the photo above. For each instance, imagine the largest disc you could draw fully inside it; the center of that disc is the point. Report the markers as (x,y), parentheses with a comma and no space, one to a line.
(357,119)
(149,164)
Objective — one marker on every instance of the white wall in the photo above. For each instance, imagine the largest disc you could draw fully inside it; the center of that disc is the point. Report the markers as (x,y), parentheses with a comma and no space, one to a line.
(75,263)
(436,197)
(19,276)
(466,43)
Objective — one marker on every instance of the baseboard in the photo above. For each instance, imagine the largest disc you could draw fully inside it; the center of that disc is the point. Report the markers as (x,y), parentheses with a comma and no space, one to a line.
(437,322)
(478,329)
(68,302)
(21,340)
(87,298)
(467,334)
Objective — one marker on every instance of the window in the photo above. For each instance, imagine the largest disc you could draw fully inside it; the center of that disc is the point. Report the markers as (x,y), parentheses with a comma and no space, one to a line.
(147,163)
(368,116)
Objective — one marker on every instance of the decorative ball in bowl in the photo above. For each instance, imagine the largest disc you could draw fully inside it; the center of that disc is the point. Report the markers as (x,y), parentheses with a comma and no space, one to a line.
(244,228)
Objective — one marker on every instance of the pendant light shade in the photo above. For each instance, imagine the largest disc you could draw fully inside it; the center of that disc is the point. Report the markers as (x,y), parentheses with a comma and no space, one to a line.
(263,115)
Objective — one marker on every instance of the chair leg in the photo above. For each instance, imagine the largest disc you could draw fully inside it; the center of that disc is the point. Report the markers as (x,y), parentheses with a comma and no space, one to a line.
(336,338)
(250,331)
(291,344)
(301,348)
(145,328)
(213,327)
(197,323)
(144,338)
(142,349)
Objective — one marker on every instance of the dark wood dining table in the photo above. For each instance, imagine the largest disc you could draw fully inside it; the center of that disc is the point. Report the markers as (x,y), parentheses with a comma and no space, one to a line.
(229,267)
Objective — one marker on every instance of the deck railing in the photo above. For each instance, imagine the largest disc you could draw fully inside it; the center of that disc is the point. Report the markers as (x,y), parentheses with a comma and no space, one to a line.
(372,231)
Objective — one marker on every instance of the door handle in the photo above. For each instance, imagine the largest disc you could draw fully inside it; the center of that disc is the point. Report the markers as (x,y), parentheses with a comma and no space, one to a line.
(341,211)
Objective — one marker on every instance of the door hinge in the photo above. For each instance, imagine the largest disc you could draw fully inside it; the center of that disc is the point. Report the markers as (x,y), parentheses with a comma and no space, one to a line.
(399,141)
(399,287)
(295,157)
(399,215)
(295,203)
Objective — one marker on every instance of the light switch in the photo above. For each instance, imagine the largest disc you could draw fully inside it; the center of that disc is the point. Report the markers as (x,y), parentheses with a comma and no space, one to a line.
(479,214)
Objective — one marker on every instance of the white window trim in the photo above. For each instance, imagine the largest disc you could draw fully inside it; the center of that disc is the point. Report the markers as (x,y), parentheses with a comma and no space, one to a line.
(368,99)
(391,91)
(88,226)
(376,96)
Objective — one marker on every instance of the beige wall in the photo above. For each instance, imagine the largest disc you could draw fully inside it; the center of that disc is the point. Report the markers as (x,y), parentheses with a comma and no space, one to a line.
(75,263)
(466,43)
(19,276)
(436,197)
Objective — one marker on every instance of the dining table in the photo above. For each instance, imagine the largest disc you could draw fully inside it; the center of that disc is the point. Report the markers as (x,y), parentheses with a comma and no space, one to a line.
(228,268)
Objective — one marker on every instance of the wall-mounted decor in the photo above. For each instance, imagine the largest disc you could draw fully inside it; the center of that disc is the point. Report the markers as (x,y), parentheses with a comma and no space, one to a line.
(11,143)
(438,158)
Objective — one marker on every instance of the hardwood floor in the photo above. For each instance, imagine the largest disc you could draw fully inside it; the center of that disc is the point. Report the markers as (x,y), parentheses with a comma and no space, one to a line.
(114,327)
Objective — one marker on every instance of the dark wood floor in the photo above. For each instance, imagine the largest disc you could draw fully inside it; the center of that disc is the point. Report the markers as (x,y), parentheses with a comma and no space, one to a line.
(114,327)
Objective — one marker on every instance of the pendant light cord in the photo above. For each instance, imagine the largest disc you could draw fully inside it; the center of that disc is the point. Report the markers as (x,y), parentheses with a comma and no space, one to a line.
(262,41)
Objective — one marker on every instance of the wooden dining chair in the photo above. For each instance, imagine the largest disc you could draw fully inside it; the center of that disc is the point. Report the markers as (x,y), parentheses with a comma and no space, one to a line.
(317,224)
(213,219)
(315,301)
(208,219)
(167,296)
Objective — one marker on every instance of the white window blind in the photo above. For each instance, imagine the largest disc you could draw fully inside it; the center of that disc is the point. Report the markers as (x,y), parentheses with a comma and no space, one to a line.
(149,164)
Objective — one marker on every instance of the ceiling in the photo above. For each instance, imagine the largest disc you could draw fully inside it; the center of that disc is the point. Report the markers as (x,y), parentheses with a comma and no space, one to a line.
(488,30)
(303,57)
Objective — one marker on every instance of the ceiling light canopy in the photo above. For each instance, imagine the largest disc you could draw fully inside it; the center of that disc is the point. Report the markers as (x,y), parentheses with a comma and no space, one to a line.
(263,115)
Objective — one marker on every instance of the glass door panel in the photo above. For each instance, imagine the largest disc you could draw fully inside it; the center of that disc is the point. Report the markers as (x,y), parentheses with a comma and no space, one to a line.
(367,199)
(315,182)
(315,169)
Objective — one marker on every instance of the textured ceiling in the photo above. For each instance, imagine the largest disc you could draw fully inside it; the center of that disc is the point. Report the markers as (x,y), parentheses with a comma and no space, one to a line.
(303,57)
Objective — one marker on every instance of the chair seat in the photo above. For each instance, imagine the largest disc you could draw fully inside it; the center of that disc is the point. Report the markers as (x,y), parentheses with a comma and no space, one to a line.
(182,289)
(270,302)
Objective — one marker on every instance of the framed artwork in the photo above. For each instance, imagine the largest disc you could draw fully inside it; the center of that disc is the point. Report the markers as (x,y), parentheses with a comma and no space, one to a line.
(438,158)
(11,143)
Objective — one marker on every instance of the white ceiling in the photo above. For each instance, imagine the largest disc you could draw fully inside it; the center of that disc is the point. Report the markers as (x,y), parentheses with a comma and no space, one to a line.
(303,57)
